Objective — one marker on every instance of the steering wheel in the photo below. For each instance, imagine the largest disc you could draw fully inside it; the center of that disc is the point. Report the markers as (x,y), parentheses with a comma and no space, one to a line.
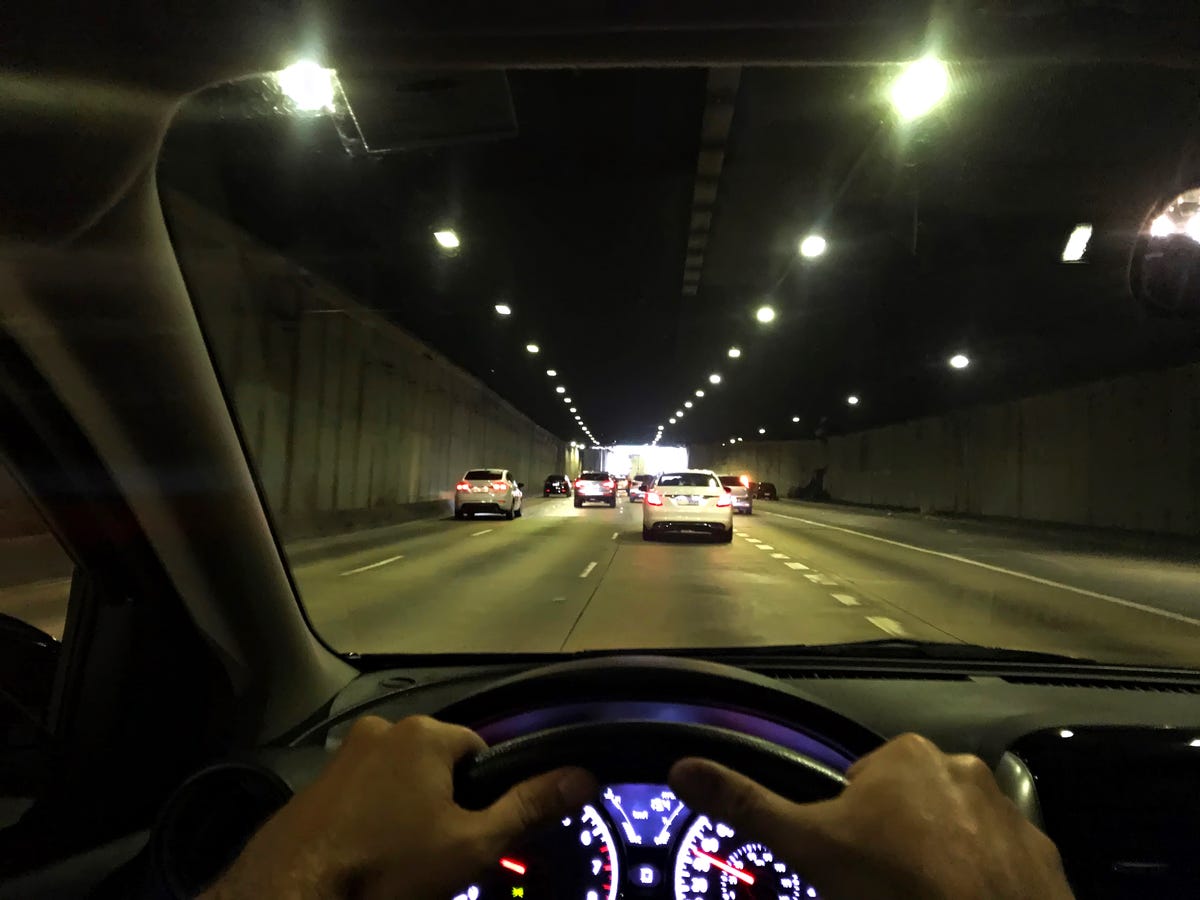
(640,751)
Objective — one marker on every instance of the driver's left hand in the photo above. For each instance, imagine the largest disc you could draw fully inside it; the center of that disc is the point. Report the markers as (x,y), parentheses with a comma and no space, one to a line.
(381,820)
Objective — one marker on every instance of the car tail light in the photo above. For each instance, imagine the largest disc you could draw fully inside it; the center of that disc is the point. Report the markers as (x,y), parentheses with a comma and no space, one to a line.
(654,498)
(610,483)
(745,480)
(579,485)
(463,486)
(500,486)
(725,500)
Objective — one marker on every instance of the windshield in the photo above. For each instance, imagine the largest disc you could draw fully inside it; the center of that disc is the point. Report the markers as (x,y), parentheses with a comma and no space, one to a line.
(686,479)
(899,291)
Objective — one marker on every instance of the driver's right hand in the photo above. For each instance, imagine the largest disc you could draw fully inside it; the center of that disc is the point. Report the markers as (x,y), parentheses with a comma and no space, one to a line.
(913,822)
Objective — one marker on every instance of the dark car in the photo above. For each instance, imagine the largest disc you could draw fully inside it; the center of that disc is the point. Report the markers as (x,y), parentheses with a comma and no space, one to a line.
(596,487)
(556,485)
(764,490)
(638,485)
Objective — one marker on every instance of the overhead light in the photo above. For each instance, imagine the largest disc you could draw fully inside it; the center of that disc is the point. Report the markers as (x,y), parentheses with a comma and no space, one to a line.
(1077,243)
(308,85)
(551,372)
(533,348)
(678,412)
(672,421)
(762,431)
(1066,733)
(567,400)
(714,378)
(813,246)
(765,314)
(503,309)
(578,419)
(660,428)
(959,361)
(572,409)
(447,239)
(699,393)
(920,87)
(560,390)
(852,400)
(795,418)
(734,352)
(687,404)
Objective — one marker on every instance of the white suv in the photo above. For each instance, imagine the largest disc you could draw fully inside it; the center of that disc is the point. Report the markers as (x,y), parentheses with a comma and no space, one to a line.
(488,491)
(690,500)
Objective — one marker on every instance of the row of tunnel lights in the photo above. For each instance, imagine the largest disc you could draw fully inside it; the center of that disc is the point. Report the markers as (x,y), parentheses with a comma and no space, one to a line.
(920,86)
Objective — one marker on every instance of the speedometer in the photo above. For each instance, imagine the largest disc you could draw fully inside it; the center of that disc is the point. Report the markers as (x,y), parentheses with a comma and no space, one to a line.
(713,863)
(575,858)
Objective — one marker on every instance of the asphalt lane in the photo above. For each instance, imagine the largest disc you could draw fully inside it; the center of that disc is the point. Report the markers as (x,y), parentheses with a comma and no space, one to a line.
(562,578)
(565,579)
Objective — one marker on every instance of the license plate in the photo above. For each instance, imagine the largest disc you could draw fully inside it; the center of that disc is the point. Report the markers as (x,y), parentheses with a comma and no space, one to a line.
(687,501)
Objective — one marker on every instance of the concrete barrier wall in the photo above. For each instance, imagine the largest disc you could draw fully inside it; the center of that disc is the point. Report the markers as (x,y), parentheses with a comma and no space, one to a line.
(1120,453)
(350,420)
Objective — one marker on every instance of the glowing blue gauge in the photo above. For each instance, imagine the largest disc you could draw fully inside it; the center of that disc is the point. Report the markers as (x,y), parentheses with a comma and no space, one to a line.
(647,814)
(713,863)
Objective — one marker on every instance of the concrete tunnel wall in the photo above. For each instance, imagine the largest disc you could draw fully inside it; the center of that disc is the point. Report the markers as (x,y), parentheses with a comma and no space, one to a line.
(350,420)
(1119,453)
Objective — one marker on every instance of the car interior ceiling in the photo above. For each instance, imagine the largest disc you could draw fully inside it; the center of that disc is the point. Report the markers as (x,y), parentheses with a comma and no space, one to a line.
(169,666)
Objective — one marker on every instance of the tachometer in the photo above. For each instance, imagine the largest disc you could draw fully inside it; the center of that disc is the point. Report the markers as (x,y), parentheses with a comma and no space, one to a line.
(576,858)
(713,863)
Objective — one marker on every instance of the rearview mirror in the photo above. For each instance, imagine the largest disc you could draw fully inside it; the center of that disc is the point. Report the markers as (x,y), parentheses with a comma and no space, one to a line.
(1164,273)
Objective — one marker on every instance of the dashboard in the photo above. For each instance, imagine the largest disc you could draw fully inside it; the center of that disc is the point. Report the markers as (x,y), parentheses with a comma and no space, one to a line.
(1105,761)
(639,841)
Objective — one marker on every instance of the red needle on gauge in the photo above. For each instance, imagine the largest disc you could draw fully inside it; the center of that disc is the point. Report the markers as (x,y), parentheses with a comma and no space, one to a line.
(725,867)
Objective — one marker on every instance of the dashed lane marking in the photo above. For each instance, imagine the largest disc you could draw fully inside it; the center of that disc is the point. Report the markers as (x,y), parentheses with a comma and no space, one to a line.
(798,566)
(891,626)
(845,599)
(478,533)
(374,565)
(780,556)
(764,547)
(615,533)
(813,576)
(587,570)
(751,540)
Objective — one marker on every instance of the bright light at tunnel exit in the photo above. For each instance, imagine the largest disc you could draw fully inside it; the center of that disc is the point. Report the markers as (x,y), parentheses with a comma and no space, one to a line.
(647,459)
(308,85)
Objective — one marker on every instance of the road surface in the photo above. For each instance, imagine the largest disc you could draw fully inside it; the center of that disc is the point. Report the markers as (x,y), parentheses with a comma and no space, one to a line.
(565,579)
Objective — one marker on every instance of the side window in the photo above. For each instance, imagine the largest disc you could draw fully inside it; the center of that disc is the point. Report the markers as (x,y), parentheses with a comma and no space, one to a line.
(35,585)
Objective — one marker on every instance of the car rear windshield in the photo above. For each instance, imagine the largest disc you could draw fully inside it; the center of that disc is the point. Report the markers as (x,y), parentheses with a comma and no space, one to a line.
(730,480)
(594,476)
(483,475)
(687,479)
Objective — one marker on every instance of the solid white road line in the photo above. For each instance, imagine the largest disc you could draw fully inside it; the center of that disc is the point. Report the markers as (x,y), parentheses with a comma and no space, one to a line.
(798,566)
(780,556)
(374,565)
(587,570)
(845,599)
(891,626)
(1108,598)
(478,533)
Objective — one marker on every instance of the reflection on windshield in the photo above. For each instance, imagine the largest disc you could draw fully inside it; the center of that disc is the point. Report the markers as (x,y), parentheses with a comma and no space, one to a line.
(898,295)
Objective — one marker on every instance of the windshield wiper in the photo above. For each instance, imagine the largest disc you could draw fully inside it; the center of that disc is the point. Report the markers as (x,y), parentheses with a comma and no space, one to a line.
(906,648)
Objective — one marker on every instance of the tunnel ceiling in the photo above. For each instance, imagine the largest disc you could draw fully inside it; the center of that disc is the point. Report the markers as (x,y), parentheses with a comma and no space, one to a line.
(635,219)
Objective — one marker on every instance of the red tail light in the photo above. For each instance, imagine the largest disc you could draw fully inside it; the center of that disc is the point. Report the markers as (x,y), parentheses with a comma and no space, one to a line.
(579,485)
(500,486)
(610,483)
(463,486)
(726,499)
(654,498)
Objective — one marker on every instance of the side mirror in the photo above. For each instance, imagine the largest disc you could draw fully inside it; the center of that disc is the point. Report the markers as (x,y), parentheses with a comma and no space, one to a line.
(28,665)
(728,489)
(1165,270)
